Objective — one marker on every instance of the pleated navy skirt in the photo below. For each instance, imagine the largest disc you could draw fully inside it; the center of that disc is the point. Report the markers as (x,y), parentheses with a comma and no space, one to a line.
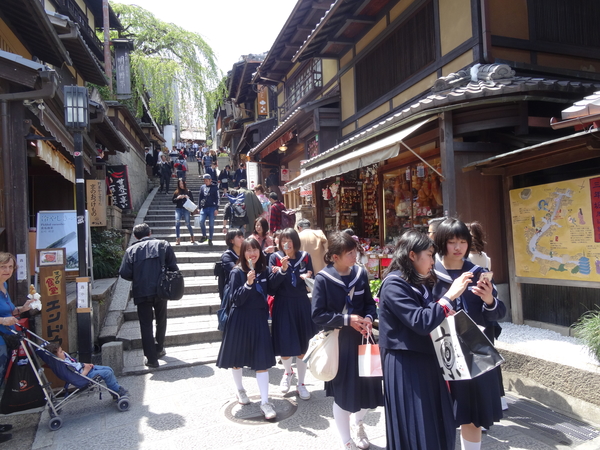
(418,407)
(247,340)
(477,401)
(292,325)
(349,391)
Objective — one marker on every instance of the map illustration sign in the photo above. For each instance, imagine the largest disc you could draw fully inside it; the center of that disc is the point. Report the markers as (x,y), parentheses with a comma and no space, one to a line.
(556,230)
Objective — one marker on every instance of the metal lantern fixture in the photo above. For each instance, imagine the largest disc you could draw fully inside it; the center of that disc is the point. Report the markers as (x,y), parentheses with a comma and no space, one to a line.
(76,107)
(77,119)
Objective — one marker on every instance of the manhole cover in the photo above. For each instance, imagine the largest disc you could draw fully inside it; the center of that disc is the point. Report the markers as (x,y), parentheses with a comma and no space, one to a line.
(252,415)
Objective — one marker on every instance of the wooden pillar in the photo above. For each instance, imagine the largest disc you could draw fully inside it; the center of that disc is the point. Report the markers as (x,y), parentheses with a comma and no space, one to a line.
(447,156)
(17,194)
(516,300)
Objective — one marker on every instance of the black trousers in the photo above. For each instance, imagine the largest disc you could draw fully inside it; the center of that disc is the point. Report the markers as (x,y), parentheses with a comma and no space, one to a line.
(149,309)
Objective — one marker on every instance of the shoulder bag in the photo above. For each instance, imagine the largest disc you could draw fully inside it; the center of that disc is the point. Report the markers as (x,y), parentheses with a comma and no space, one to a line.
(170,282)
(323,354)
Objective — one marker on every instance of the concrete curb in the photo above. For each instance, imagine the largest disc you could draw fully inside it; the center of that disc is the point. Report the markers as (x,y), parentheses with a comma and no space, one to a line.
(572,391)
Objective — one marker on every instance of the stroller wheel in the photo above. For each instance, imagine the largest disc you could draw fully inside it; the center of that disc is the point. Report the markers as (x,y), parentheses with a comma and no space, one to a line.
(123,404)
(55,423)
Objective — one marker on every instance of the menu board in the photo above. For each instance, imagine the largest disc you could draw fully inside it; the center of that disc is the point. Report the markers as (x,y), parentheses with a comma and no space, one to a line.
(556,230)
(96,202)
(58,229)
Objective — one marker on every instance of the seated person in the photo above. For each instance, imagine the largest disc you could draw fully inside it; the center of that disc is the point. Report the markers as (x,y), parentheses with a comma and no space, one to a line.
(89,370)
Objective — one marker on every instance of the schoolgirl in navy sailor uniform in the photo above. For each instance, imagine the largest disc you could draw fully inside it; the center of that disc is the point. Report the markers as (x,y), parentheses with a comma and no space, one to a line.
(418,407)
(341,284)
(246,339)
(292,323)
(477,401)
(229,258)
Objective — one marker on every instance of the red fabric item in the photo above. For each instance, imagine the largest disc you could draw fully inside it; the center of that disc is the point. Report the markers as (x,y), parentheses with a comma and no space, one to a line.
(270,300)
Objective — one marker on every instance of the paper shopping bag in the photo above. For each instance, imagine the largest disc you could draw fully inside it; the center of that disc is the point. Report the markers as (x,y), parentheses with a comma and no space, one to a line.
(463,351)
(369,360)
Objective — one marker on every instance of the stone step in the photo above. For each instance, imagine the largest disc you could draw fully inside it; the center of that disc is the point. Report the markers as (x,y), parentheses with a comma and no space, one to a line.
(189,305)
(196,269)
(192,254)
(180,331)
(201,285)
(177,357)
(218,241)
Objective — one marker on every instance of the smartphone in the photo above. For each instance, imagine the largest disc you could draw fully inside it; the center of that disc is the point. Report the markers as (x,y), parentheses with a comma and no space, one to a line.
(486,276)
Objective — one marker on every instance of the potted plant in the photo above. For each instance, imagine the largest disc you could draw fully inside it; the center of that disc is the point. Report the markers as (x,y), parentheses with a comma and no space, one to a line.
(587,328)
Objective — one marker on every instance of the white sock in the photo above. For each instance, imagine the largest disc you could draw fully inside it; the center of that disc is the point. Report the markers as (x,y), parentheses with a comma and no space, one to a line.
(262,378)
(301,368)
(342,421)
(237,378)
(358,416)
(468,445)
(287,365)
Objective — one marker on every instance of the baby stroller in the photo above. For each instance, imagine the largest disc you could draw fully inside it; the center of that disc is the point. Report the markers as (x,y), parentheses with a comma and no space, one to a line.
(76,384)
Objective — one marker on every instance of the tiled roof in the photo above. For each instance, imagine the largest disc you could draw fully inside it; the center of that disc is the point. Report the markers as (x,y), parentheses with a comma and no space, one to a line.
(492,80)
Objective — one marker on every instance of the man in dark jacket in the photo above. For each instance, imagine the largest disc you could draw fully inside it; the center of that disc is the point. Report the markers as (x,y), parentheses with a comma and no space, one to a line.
(254,208)
(208,199)
(240,174)
(141,265)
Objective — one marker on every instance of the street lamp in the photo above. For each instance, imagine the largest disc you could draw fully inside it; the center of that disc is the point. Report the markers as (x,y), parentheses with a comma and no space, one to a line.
(77,119)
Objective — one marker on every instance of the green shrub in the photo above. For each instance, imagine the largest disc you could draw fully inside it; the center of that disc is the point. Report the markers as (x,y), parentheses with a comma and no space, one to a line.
(587,328)
(107,251)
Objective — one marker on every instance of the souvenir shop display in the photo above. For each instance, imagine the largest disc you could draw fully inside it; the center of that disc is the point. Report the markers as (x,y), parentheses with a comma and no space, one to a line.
(412,196)
(371,218)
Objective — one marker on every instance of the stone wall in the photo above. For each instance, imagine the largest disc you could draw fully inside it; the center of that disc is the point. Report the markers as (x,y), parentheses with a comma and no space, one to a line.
(138,179)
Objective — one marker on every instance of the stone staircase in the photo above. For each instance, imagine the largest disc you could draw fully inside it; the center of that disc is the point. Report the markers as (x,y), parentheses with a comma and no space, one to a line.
(192,335)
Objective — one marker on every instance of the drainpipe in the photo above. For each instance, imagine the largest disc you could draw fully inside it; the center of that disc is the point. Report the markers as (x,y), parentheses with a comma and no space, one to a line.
(486,33)
(48,90)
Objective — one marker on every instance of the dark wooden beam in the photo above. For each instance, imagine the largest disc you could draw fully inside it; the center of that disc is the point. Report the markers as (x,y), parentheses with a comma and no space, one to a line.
(361,19)
(490,124)
(546,47)
(482,147)
(339,41)
(448,168)
(544,161)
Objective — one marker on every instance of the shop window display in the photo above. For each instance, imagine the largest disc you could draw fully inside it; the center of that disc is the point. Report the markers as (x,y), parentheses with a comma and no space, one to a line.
(412,196)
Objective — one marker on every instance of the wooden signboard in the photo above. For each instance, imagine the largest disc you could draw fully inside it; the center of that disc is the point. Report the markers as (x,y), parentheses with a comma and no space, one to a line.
(53,290)
(96,202)
(117,179)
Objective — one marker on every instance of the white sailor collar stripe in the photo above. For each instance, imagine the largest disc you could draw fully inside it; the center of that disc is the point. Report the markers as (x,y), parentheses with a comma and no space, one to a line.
(339,281)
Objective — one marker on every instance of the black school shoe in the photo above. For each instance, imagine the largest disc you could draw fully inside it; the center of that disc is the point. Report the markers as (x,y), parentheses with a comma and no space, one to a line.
(153,365)
(5,437)
(5,428)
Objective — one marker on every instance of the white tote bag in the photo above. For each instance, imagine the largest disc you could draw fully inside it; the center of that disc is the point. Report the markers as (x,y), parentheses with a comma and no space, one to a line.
(323,355)
(190,205)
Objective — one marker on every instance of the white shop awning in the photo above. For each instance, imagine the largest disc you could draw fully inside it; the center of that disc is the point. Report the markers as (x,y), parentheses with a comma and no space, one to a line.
(386,148)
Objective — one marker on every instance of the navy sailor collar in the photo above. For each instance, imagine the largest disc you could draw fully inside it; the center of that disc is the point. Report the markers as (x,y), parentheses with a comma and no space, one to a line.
(334,276)
(442,274)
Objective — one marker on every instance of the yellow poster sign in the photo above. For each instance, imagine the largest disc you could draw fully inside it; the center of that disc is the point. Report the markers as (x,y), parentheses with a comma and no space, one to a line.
(556,230)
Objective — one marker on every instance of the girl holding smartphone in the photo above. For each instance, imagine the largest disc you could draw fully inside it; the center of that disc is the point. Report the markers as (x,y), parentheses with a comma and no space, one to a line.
(477,401)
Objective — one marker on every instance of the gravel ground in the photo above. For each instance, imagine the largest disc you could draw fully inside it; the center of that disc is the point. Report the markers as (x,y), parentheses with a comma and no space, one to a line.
(547,345)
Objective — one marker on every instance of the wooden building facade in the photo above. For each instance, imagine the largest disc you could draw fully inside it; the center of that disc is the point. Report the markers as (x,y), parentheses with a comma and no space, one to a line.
(427,87)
